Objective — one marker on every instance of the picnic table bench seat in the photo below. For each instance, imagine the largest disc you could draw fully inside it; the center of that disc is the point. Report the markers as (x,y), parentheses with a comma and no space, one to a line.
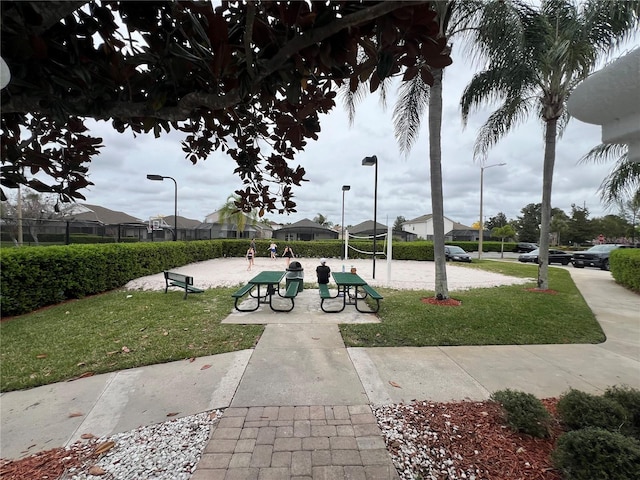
(371,293)
(173,279)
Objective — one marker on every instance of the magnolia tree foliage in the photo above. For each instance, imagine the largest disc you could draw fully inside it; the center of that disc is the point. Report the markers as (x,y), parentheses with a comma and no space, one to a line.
(246,78)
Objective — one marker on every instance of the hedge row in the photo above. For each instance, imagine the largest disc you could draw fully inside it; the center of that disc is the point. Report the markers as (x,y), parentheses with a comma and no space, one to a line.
(625,267)
(35,277)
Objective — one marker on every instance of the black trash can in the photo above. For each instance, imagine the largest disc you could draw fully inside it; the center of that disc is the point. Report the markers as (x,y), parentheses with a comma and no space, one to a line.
(295,272)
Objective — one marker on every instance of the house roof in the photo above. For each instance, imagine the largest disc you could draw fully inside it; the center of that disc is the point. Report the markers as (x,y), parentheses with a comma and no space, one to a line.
(306,223)
(183,222)
(367,226)
(95,213)
(425,218)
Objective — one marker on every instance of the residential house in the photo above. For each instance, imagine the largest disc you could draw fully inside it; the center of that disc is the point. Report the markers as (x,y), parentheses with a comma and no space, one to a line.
(365,229)
(422,227)
(161,228)
(305,230)
(97,220)
(212,228)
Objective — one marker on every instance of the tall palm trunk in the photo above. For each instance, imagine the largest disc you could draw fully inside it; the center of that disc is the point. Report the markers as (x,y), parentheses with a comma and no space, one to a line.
(551,127)
(435,157)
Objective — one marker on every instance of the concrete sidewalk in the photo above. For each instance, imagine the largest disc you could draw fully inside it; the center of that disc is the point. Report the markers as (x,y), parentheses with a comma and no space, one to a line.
(301,376)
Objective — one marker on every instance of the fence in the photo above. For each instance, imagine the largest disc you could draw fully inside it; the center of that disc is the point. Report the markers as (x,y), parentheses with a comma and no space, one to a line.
(61,232)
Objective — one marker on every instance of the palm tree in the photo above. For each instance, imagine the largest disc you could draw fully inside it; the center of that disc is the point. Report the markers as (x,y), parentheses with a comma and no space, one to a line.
(453,17)
(230,213)
(533,68)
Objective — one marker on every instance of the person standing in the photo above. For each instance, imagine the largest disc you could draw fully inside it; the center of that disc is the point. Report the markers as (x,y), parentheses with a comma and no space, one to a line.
(252,246)
(249,256)
(273,249)
(288,254)
(323,271)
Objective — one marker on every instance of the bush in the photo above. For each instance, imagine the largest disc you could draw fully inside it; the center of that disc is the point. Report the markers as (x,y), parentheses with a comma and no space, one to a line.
(524,412)
(625,267)
(629,399)
(594,453)
(580,410)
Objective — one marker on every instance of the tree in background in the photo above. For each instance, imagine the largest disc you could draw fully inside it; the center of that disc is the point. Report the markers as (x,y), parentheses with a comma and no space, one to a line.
(506,231)
(580,228)
(230,213)
(528,225)
(630,211)
(250,79)
(397,225)
(548,50)
(500,220)
(26,211)
(322,220)
(559,226)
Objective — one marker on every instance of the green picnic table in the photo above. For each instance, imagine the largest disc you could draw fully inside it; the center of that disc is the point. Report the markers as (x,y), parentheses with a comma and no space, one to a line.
(271,280)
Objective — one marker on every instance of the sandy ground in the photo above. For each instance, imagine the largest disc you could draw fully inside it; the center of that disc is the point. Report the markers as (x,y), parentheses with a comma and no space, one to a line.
(401,274)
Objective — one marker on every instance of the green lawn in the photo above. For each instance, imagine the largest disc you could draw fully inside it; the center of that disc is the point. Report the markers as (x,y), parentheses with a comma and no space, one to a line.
(114,331)
(126,329)
(487,316)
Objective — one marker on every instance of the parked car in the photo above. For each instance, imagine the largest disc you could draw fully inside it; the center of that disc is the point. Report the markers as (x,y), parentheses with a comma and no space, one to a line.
(596,256)
(555,256)
(525,247)
(456,254)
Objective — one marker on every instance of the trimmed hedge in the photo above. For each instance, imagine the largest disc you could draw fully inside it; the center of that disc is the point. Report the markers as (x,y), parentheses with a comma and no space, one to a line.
(35,277)
(594,453)
(625,267)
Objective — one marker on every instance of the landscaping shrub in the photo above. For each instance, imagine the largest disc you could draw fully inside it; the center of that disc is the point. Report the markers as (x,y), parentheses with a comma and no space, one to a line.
(524,412)
(581,410)
(625,267)
(594,453)
(629,398)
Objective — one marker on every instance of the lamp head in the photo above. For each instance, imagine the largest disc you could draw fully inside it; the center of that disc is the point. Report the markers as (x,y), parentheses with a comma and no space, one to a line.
(369,161)
(346,188)
(155,177)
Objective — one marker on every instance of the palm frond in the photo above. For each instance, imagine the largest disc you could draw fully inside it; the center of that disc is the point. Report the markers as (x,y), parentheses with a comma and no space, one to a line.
(413,98)
(605,153)
(351,99)
(500,122)
(622,183)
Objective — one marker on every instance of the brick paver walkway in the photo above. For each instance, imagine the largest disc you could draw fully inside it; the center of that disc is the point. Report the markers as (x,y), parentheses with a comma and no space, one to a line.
(297,443)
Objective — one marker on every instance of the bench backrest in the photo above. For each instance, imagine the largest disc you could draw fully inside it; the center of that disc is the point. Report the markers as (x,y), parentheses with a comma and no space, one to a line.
(178,277)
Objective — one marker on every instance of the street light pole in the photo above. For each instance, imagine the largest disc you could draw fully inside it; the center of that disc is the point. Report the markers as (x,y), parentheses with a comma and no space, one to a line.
(369,161)
(175,201)
(345,188)
(481,224)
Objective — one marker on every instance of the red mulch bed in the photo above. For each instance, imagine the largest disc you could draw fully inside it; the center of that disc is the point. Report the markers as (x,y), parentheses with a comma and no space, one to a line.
(48,464)
(539,290)
(474,436)
(448,302)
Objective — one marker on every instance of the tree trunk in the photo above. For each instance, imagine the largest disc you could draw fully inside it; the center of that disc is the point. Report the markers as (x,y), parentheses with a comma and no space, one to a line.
(435,156)
(547,180)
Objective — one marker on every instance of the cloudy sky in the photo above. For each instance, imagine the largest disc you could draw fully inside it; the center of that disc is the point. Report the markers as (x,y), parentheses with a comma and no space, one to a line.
(119,173)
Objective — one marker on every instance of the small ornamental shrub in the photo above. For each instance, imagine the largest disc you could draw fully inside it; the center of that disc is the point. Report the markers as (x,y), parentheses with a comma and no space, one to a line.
(524,412)
(594,453)
(580,410)
(629,398)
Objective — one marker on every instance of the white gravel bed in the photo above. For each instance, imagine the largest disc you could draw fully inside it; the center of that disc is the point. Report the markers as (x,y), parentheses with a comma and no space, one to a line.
(412,454)
(165,451)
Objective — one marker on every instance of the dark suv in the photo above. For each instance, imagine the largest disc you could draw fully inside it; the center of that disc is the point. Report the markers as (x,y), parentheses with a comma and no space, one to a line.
(596,256)
(525,247)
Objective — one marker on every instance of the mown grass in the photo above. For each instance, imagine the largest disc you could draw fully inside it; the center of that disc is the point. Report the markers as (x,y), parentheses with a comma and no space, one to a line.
(502,315)
(127,329)
(114,331)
